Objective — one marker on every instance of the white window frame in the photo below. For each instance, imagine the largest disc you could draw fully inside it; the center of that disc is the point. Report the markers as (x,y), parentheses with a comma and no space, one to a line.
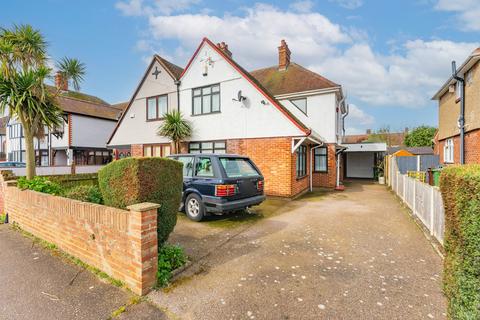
(448,151)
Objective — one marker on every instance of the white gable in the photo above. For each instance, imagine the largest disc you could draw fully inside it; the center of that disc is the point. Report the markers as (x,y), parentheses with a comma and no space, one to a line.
(248,119)
(134,129)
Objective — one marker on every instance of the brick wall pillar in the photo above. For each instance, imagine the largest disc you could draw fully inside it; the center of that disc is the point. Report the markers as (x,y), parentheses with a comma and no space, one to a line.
(143,227)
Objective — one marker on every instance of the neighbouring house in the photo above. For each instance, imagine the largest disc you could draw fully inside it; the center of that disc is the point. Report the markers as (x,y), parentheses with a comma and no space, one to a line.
(3,138)
(288,119)
(81,140)
(448,138)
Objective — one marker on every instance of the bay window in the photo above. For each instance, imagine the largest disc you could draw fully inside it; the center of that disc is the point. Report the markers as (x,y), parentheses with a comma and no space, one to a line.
(301,164)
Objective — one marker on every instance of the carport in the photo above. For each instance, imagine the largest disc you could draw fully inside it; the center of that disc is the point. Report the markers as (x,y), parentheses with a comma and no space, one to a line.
(362,158)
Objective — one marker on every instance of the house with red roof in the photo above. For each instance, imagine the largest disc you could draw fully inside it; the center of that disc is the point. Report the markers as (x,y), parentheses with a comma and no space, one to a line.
(286,118)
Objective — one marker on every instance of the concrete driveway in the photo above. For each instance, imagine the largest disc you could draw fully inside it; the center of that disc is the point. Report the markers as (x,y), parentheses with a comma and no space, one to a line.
(350,255)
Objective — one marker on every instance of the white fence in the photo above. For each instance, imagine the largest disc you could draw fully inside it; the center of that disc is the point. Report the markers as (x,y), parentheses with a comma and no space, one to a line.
(424,200)
(54,170)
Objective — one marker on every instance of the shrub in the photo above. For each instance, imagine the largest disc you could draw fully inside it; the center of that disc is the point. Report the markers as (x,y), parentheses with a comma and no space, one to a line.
(40,184)
(460,187)
(134,180)
(169,258)
(85,193)
(68,181)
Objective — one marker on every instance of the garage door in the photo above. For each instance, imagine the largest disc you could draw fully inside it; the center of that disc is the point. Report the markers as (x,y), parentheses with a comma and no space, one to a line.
(360,164)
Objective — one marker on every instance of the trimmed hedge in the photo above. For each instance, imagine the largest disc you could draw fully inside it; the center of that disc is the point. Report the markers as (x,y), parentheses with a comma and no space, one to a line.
(85,193)
(460,187)
(134,180)
(68,181)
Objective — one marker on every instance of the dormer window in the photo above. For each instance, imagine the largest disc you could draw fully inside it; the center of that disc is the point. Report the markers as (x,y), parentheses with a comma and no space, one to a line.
(301,104)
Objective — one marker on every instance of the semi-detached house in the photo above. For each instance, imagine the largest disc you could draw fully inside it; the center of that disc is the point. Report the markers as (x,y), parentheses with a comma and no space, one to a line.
(287,119)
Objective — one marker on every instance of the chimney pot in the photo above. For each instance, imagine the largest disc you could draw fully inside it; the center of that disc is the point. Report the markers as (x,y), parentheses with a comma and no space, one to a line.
(60,82)
(283,56)
(224,47)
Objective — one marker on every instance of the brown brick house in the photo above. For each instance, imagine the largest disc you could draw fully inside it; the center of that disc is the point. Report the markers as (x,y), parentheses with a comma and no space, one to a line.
(288,119)
(447,139)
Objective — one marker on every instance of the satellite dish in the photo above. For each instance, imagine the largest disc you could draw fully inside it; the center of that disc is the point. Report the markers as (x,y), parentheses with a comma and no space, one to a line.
(240,98)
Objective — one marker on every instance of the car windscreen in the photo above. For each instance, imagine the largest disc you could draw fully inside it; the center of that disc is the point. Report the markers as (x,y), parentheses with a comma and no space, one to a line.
(238,167)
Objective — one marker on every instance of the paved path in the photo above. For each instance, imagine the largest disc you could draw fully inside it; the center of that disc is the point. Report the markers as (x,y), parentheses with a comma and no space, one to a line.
(36,285)
(350,255)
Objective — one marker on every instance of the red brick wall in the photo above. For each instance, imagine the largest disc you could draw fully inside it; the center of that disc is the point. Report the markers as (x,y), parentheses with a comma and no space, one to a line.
(121,243)
(327,179)
(137,150)
(274,159)
(472,148)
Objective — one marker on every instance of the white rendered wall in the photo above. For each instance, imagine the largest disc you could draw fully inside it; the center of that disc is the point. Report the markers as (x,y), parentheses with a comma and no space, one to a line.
(90,132)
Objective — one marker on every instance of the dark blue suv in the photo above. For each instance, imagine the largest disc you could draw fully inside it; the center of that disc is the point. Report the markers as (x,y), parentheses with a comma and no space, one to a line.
(219,183)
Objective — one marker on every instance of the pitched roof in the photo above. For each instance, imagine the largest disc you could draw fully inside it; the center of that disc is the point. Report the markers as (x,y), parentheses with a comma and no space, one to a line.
(392,139)
(254,82)
(121,105)
(88,108)
(294,79)
(413,150)
(174,70)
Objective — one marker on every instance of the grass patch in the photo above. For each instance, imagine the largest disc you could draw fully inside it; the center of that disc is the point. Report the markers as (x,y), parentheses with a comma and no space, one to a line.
(169,258)
(57,252)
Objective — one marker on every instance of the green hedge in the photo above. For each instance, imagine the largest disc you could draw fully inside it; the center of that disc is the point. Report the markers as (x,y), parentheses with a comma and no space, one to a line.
(460,187)
(68,181)
(85,193)
(134,180)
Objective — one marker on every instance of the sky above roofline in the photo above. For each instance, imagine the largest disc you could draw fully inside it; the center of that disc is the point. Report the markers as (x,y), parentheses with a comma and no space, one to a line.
(390,57)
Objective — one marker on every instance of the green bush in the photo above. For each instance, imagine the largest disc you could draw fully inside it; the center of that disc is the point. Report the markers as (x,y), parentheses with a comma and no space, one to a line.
(68,181)
(460,187)
(169,258)
(85,193)
(40,184)
(134,180)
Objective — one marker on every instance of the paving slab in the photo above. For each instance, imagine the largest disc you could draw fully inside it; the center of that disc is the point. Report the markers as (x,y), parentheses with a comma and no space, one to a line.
(34,284)
(351,255)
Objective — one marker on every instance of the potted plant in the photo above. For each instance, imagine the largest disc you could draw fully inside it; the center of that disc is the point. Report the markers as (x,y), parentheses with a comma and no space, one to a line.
(380,172)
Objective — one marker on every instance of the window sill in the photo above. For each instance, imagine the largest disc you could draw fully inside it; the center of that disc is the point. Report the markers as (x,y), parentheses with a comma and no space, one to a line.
(205,114)
(153,120)
(326,171)
(302,177)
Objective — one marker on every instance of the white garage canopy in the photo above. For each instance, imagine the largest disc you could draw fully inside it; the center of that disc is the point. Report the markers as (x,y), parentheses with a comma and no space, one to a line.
(360,159)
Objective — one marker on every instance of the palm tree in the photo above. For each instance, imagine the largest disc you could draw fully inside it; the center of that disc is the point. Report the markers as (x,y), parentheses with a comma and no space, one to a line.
(23,72)
(176,128)
(72,70)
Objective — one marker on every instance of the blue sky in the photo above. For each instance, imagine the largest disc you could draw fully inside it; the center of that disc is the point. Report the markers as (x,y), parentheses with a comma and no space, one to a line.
(390,56)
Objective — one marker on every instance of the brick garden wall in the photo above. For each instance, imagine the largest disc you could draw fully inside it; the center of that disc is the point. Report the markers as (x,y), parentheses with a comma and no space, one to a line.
(121,243)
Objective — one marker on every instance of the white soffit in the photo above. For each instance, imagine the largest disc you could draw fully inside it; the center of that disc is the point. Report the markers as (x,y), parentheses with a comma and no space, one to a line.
(365,147)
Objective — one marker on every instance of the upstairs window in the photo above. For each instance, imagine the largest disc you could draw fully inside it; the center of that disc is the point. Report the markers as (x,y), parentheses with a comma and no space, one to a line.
(301,104)
(157,107)
(448,151)
(206,100)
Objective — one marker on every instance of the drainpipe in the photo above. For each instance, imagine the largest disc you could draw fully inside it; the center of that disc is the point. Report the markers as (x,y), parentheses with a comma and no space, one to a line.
(347,107)
(177,83)
(311,164)
(461,118)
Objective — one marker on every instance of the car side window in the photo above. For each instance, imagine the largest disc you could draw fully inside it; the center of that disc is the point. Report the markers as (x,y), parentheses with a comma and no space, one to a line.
(203,167)
(187,165)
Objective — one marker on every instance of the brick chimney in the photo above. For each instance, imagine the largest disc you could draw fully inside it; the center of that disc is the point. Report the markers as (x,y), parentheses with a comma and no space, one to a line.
(224,47)
(283,56)
(60,82)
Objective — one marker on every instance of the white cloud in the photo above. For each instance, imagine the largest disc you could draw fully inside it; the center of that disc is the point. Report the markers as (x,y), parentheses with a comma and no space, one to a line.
(357,116)
(349,4)
(302,6)
(467,12)
(407,77)
(254,37)
(141,7)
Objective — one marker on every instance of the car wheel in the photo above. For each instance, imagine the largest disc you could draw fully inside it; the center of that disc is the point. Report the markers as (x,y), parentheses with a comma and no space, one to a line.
(194,207)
